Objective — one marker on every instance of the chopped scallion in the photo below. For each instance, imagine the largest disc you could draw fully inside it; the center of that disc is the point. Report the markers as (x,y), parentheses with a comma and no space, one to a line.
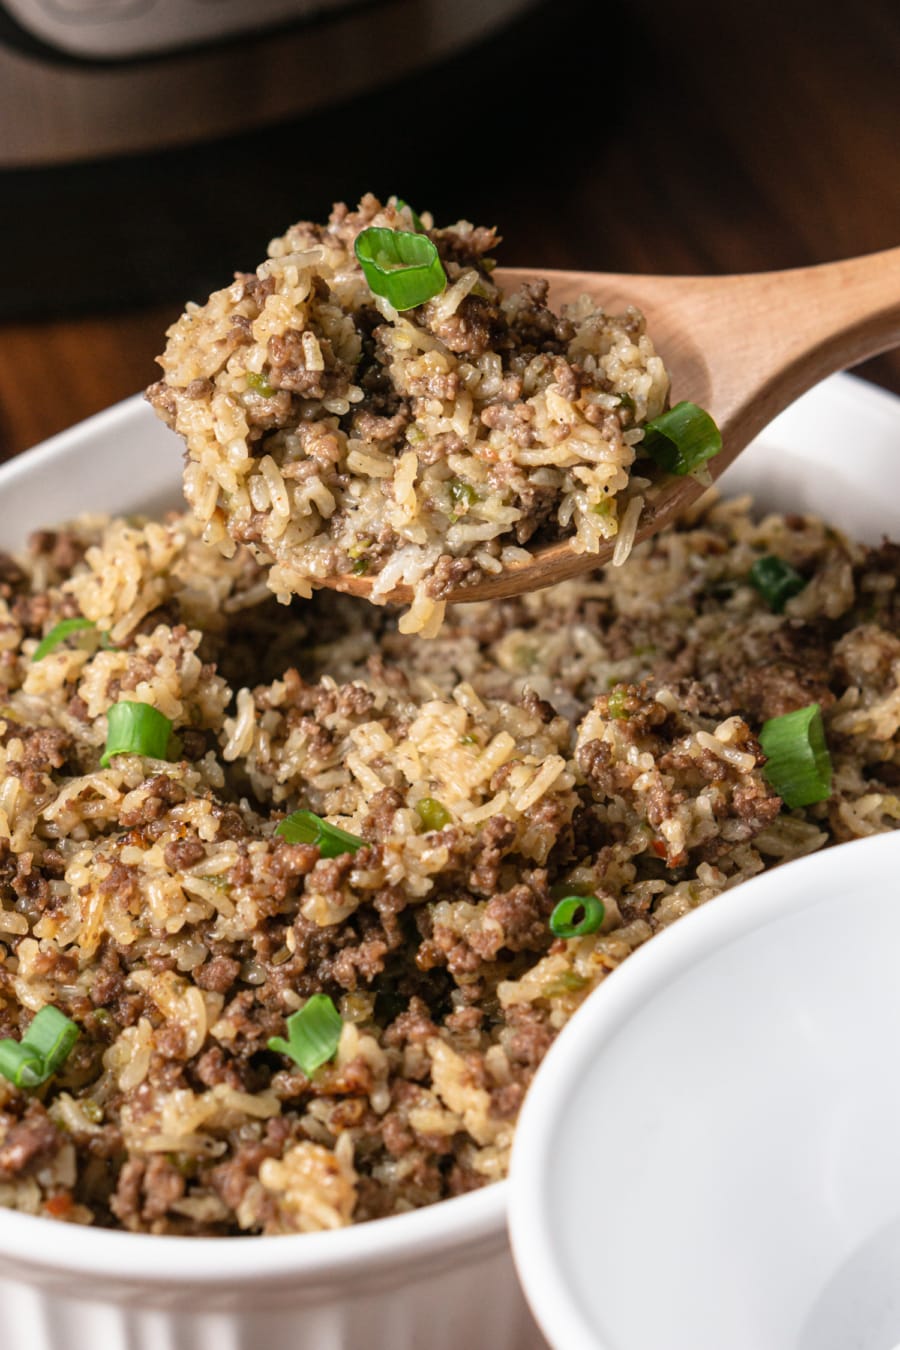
(776,581)
(314,1032)
(461,493)
(405,268)
(566,983)
(617,703)
(681,439)
(43,1049)
(136,729)
(58,634)
(413,215)
(798,765)
(259,384)
(434,814)
(20,1064)
(52,1035)
(565,923)
(305,827)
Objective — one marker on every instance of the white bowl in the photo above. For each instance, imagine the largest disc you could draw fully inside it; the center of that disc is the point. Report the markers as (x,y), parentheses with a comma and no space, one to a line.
(709,1158)
(427,1281)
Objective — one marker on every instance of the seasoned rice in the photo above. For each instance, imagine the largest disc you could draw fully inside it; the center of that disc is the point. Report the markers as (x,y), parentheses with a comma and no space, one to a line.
(333,435)
(599,738)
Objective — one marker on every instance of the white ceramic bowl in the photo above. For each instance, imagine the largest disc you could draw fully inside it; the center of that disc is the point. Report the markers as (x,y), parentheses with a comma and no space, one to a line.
(436,1279)
(709,1158)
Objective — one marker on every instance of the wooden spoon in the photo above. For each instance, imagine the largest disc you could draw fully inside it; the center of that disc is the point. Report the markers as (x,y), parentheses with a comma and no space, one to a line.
(743,347)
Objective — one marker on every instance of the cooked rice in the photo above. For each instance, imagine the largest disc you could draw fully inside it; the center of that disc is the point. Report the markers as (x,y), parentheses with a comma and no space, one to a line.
(334,435)
(598,738)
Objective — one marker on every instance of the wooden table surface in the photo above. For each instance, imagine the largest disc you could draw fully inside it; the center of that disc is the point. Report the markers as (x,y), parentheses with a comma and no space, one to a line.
(693,138)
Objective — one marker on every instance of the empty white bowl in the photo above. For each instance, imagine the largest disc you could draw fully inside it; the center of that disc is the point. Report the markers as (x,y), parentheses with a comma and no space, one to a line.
(709,1158)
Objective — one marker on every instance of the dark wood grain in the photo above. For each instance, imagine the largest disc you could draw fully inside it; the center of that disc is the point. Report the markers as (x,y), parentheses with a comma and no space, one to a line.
(692,138)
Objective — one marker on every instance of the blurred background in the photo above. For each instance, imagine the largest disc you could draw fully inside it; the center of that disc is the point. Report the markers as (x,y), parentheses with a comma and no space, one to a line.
(150,148)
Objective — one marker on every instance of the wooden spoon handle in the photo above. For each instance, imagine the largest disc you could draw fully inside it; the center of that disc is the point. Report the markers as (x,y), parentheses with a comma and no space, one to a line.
(784,332)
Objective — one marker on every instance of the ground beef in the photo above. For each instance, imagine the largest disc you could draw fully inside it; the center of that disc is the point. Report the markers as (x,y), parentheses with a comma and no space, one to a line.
(126,1203)
(217,974)
(452,574)
(776,688)
(413,1027)
(249,531)
(438,447)
(382,809)
(44,748)
(538,503)
(496,837)
(64,548)
(123,882)
(162,792)
(162,1185)
(475,326)
(530,1036)
(108,980)
(183,853)
(27,1143)
(30,886)
(257,289)
(537,326)
(288,368)
(515,421)
(162,399)
(12,576)
(232,1179)
(231,823)
(465,246)
(369,426)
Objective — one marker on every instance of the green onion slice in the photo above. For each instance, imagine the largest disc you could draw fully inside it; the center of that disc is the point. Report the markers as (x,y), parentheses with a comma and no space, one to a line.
(52,1035)
(43,1049)
(136,729)
(433,814)
(617,703)
(462,493)
(20,1064)
(403,267)
(314,1032)
(681,439)
(414,215)
(259,384)
(305,827)
(58,634)
(776,581)
(564,921)
(798,765)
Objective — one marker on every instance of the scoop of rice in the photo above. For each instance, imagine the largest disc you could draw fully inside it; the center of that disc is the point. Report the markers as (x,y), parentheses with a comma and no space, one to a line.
(333,434)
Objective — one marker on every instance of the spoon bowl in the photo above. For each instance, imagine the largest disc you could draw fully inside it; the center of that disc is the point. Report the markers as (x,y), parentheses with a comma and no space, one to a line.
(743,347)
